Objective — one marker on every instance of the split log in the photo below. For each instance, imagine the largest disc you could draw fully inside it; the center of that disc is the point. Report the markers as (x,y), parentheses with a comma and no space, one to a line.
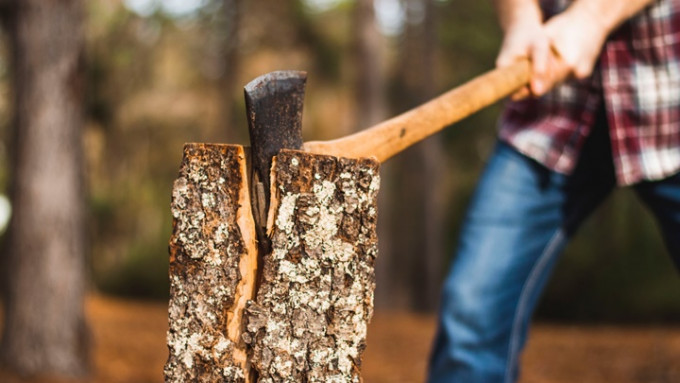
(315,296)
(308,323)
(213,261)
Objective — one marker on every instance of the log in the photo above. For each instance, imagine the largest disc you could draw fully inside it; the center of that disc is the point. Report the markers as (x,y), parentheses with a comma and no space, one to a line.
(213,263)
(308,320)
(308,323)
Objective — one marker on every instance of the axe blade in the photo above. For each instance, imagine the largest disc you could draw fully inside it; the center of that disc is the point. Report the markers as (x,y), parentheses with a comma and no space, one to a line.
(274,106)
(274,111)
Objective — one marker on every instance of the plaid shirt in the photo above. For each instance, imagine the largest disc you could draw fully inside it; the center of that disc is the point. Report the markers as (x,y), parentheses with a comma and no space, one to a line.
(637,78)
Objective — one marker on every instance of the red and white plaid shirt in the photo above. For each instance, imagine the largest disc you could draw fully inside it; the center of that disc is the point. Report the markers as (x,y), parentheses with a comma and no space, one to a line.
(637,78)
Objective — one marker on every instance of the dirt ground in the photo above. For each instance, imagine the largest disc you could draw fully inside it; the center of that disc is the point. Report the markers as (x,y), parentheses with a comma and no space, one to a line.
(129,346)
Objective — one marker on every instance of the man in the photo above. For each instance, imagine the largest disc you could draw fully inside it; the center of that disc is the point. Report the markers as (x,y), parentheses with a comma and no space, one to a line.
(602,109)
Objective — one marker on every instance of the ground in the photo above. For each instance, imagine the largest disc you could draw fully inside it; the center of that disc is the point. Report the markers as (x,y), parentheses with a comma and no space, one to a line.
(129,346)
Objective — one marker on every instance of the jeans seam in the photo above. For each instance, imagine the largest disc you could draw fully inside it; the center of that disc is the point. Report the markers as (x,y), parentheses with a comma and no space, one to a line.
(527,289)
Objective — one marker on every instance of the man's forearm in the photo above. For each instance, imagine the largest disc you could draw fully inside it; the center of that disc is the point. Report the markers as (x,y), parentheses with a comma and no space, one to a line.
(610,14)
(510,12)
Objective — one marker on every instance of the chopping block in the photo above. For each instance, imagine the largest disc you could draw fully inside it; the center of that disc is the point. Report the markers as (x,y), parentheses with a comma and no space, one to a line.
(308,319)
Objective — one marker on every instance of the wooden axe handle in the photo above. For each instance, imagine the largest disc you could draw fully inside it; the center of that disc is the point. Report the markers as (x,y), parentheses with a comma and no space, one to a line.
(390,137)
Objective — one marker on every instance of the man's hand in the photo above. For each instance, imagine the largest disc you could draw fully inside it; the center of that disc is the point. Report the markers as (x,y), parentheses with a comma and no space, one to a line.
(568,45)
(576,37)
(524,37)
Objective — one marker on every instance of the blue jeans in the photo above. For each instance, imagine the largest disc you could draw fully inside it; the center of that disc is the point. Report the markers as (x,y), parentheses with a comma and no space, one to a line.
(519,221)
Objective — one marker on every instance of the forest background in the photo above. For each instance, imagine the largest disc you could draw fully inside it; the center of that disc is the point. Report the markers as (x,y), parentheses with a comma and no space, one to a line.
(160,73)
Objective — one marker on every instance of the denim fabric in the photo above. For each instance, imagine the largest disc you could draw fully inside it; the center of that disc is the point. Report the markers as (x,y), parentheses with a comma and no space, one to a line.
(518,222)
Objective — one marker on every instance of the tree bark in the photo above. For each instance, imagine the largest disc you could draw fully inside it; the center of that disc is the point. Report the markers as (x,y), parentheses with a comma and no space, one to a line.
(213,263)
(309,321)
(315,295)
(45,328)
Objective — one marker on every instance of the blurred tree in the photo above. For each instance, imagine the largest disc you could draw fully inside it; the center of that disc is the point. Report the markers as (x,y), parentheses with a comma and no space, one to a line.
(232,11)
(45,328)
(217,39)
(417,248)
(369,91)
(369,106)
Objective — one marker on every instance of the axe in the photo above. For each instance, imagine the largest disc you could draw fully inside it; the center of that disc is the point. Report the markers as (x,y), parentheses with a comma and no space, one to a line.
(286,294)
(274,109)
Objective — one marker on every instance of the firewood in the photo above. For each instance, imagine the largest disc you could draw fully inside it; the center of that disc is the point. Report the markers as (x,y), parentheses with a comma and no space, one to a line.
(315,300)
(213,261)
(308,319)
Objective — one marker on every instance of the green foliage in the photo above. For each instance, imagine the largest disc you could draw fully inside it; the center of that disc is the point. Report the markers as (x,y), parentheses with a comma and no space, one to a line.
(143,273)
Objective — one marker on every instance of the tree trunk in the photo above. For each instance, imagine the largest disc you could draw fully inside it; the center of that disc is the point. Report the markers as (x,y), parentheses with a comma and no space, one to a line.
(418,252)
(370,107)
(429,274)
(229,83)
(44,320)
(369,99)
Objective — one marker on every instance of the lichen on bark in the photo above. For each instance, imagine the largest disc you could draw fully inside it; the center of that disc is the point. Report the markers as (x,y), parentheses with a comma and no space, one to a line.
(308,323)
(206,248)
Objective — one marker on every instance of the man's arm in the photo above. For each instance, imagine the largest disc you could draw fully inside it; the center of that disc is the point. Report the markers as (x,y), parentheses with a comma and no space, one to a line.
(512,12)
(609,13)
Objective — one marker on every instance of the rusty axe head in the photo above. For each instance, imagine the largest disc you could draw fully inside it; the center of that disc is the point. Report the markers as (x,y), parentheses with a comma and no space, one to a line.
(274,108)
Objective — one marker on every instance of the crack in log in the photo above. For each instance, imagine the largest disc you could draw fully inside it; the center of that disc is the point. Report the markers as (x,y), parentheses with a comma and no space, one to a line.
(308,321)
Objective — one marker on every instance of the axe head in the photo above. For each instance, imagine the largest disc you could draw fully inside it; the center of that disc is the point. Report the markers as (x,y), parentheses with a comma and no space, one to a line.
(274,110)
(274,107)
